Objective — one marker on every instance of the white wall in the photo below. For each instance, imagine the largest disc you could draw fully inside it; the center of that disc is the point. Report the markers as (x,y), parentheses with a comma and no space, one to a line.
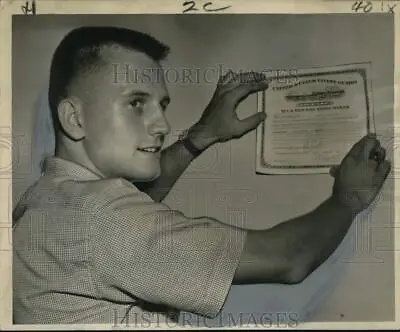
(222,183)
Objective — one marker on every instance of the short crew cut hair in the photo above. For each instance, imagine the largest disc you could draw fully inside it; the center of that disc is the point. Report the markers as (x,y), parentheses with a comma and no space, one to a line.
(81,50)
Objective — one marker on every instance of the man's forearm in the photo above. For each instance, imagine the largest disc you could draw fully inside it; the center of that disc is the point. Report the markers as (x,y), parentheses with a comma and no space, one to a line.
(174,161)
(316,236)
(290,251)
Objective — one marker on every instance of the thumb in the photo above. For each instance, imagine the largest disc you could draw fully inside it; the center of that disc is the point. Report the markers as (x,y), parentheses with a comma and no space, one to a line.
(251,122)
(333,171)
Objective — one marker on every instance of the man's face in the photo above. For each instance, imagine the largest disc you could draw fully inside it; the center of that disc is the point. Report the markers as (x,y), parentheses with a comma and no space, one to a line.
(124,120)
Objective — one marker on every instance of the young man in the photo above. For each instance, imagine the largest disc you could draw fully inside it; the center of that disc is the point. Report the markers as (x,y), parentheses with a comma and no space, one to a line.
(90,247)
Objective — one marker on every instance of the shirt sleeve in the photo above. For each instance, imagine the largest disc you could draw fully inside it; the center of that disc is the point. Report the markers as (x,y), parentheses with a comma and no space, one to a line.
(143,249)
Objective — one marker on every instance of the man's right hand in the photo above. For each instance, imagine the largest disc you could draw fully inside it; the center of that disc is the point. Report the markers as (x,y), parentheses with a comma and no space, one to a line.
(361,174)
(219,121)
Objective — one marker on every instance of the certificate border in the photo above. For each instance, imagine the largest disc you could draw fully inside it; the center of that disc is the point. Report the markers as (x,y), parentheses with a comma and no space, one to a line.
(360,71)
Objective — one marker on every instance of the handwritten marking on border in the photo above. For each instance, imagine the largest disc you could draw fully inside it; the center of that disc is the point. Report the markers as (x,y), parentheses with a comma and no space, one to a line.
(29,7)
(192,6)
(369,6)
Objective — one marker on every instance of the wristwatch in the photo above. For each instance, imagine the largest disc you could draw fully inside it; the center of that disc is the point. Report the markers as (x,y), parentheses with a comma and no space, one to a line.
(188,144)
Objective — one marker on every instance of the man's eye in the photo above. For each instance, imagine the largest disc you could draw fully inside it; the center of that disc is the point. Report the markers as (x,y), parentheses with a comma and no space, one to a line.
(137,103)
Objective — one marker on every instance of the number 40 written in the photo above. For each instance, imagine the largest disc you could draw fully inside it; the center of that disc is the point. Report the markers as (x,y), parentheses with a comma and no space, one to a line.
(368,6)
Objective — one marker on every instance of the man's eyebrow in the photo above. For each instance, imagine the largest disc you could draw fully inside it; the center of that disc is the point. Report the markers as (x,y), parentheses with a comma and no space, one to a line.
(139,93)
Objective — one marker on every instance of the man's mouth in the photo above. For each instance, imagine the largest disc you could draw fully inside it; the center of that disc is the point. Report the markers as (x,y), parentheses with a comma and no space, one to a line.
(150,149)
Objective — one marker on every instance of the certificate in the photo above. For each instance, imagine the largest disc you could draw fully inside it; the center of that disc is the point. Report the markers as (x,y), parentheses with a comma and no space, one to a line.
(313,118)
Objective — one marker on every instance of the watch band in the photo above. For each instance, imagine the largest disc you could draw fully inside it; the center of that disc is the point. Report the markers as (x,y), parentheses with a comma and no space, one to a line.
(188,144)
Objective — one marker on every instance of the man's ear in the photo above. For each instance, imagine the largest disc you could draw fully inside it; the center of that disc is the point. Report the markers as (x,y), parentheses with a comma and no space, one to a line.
(71,118)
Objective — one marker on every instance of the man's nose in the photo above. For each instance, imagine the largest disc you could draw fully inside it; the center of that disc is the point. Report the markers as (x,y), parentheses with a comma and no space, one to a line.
(159,125)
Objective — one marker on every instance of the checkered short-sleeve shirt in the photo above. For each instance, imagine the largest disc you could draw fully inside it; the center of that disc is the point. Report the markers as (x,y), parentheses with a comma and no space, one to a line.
(95,250)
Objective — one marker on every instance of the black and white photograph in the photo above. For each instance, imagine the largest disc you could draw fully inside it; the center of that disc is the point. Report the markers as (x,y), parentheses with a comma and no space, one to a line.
(203,170)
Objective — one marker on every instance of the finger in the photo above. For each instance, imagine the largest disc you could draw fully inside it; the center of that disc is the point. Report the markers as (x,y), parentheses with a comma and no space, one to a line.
(383,155)
(359,146)
(242,91)
(371,146)
(228,83)
(367,143)
(247,78)
(378,155)
(250,123)
(229,76)
(382,172)
(244,84)
(253,78)
(333,171)
(386,167)
(238,94)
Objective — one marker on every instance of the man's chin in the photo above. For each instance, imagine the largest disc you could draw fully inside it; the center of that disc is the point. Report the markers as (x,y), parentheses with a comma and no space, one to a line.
(145,177)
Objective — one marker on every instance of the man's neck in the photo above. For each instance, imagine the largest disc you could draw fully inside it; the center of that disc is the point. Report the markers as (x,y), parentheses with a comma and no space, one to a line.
(75,154)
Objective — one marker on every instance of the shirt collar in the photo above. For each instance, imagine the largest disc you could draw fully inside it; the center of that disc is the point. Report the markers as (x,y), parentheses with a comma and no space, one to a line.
(61,167)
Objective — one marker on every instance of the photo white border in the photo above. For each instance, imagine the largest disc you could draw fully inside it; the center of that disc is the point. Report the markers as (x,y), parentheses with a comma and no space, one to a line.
(11,7)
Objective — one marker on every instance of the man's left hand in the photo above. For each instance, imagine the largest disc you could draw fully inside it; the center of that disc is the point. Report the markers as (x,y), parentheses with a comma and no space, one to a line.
(219,121)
